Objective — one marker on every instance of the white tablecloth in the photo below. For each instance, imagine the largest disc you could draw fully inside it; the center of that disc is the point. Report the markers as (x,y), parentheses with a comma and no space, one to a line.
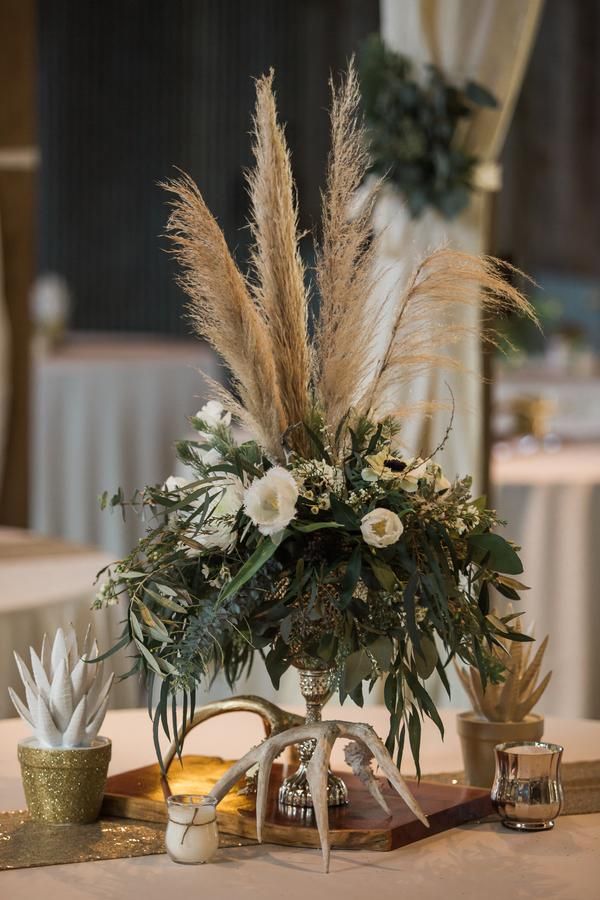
(467,862)
(552,505)
(106,413)
(41,592)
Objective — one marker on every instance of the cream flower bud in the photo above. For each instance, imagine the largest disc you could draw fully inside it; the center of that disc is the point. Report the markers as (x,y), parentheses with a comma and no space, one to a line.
(214,414)
(270,501)
(175,483)
(381,527)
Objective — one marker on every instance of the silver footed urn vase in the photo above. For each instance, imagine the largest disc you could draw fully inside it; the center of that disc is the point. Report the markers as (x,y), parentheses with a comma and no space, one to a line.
(317,682)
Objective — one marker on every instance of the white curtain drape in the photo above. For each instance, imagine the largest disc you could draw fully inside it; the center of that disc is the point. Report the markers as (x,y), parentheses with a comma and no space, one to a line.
(488,41)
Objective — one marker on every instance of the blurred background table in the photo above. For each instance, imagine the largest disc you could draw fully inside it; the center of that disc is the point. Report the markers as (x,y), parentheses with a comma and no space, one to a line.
(106,412)
(46,584)
(552,502)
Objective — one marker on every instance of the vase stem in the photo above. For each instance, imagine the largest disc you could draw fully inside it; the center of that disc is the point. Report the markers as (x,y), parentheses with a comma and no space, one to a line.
(316,686)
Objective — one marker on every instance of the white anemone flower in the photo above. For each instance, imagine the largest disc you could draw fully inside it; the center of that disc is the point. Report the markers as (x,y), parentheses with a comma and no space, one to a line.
(270,501)
(409,479)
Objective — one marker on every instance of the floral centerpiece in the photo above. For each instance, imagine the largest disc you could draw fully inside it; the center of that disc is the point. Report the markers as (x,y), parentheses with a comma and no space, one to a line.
(319,541)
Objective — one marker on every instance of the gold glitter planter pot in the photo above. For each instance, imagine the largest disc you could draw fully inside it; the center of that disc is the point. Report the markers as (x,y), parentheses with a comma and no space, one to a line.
(64,786)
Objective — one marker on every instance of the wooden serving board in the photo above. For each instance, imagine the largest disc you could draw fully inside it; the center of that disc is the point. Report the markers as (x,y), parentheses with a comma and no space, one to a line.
(139,794)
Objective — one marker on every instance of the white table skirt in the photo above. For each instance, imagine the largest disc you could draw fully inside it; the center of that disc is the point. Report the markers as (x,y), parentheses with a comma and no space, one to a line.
(41,594)
(106,412)
(552,505)
(466,862)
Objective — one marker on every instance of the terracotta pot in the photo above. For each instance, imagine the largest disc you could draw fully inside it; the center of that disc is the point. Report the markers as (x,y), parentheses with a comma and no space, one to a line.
(478,737)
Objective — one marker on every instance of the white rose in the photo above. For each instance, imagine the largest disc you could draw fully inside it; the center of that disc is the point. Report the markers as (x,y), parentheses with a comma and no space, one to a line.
(209,457)
(381,527)
(217,532)
(175,483)
(213,414)
(270,501)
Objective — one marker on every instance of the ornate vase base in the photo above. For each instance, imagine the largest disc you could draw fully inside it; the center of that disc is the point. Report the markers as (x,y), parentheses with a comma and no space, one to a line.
(294,793)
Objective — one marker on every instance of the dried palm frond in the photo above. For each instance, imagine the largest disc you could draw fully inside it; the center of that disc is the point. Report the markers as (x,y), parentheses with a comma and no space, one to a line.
(278,268)
(346,273)
(430,318)
(224,313)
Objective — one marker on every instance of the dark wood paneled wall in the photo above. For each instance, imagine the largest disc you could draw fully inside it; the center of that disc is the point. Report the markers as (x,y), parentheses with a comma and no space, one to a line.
(549,208)
(128,90)
(17,215)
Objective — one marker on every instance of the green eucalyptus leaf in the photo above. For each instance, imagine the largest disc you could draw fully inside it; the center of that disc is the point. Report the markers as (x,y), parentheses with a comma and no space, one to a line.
(382,651)
(480,95)
(313,526)
(351,575)
(343,514)
(426,657)
(383,573)
(263,552)
(501,557)
(414,737)
(357,667)
(151,661)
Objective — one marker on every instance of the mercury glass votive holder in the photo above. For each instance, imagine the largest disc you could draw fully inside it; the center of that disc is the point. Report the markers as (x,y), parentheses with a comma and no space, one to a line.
(192,835)
(527,791)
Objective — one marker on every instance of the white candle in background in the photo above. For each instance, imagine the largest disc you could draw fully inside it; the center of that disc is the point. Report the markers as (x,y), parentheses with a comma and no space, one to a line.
(192,835)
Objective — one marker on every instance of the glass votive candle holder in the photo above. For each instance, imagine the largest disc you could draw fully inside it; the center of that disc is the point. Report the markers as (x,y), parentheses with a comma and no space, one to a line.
(527,791)
(192,835)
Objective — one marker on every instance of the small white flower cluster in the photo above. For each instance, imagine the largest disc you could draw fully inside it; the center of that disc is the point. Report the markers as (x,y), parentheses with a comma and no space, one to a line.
(467,518)
(317,481)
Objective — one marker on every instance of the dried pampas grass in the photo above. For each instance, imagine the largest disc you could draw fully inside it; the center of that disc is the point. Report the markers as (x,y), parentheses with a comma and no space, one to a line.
(279,273)
(346,272)
(259,327)
(428,321)
(223,313)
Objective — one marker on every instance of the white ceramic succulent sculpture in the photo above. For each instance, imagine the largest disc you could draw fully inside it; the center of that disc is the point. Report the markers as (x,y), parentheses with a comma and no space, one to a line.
(66,697)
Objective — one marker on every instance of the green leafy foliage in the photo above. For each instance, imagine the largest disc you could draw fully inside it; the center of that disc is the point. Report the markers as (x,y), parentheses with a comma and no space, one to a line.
(208,588)
(413,118)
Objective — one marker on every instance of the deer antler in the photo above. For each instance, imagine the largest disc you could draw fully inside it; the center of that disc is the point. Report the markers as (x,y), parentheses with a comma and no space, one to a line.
(366,746)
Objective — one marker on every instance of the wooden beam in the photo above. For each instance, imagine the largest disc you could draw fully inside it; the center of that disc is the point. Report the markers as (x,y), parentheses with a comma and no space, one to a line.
(18,156)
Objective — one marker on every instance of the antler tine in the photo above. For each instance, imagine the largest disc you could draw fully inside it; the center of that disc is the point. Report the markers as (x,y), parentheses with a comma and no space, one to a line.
(325,734)
(316,774)
(271,751)
(366,735)
(359,757)
(233,775)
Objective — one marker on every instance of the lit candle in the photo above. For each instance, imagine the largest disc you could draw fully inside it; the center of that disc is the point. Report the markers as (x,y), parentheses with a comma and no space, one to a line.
(192,835)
